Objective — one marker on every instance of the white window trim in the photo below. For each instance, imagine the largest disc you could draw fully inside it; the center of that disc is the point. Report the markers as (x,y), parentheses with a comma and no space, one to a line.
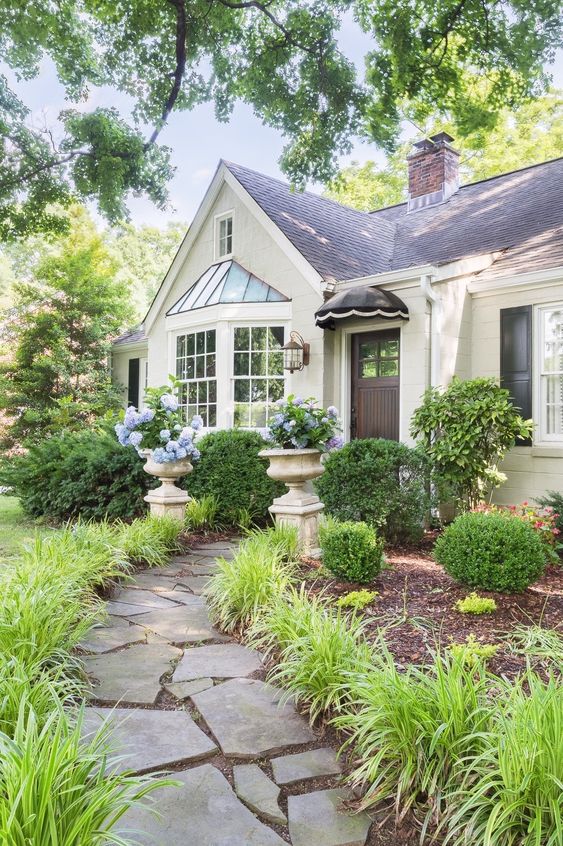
(143,380)
(216,224)
(244,324)
(540,437)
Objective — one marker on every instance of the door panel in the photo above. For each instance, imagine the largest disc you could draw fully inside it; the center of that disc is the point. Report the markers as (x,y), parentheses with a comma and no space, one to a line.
(375,385)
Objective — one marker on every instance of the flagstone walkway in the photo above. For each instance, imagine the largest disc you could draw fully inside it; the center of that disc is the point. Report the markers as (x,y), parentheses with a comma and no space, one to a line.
(182,697)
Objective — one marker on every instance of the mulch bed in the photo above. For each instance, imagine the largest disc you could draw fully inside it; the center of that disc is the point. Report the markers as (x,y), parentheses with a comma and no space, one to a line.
(416,602)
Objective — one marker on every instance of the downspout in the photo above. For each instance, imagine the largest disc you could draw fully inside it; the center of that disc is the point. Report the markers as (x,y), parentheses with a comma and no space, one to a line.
(436,312)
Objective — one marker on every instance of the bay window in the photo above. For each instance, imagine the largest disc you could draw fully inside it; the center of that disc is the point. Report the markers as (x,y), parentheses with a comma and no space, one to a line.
(196,367)
(258,375)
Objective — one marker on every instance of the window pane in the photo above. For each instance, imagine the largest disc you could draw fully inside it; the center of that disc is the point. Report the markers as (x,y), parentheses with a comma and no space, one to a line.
(368,350)
(275,390)
(190,344)
(210,341)
(190,369)
(553,341)
(256,291)
(210,365)
(389,368)
(258,364)
(259,334)
(553,404)
(258,392)
(242,338)
(202,392)
(258,417)
(212,390)
(242,390)
(212,416)
(180,346)
(275,337)
(275,364)
(242,414)
(389,349)
(200,366)
(368,369)
(193,392)
(235,286)
(242,364)
(200,343)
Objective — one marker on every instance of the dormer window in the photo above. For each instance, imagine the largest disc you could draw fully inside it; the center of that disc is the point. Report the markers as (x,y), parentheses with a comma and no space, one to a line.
(224,235)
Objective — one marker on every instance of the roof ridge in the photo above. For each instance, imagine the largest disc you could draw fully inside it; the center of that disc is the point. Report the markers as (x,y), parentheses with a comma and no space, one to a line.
(510,172)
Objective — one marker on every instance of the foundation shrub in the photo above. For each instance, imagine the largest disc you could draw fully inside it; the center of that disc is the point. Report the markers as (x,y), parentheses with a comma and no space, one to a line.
(352,551)
(78,474)
(230,470)
(491,551)
(379,482)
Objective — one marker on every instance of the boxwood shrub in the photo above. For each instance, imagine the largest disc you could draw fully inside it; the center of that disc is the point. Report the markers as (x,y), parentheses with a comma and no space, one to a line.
(380,482)
(351,550)
(86,474)
(230,470)
(491,551)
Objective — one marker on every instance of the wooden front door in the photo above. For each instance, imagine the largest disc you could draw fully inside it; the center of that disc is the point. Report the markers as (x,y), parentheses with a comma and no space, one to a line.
(375,385)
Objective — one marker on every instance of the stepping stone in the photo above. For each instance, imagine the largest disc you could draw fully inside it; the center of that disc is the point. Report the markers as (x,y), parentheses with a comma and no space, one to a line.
(205,567)
(151,581)
(145,739)
(207,552)
(137,596)
(310,764)
(125,609)
(258,792)
(196,584)
(203,811)
(181,690)
(176,566)
(317,819)
(105,638)
(219,661)
(247,720)
(133,675)
(180,595)
(184,624)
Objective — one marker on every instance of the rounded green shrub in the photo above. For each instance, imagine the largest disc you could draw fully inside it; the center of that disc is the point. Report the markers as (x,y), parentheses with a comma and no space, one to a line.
(491,551)
(231,471)
(379,482)
(87,474)
(351,551)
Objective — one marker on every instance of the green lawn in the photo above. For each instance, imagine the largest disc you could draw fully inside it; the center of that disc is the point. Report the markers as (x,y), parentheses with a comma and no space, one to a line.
(15,527)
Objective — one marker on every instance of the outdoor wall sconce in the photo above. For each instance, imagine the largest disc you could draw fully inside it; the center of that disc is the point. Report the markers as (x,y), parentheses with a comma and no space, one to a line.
(295,353)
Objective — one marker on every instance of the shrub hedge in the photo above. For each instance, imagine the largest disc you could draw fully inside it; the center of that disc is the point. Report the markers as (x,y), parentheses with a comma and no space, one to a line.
(379,482)
(491,551)
(351,550)
(86,474)
(230,470)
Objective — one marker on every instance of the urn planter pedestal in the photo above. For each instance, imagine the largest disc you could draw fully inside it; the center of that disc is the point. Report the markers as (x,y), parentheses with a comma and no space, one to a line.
(167,500)
(298,507)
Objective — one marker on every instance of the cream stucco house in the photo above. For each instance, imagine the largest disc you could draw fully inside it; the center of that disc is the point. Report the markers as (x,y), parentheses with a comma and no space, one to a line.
(463,281)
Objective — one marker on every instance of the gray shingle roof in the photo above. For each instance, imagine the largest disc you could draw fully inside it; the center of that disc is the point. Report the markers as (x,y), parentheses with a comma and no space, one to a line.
(519,214)
(132,336)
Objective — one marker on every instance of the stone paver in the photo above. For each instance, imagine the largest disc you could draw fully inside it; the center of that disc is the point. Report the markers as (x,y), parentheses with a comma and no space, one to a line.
(181,690)
(125,609)
(196,584)
(146,598)
(132,675)
(310,764)
(204,811)
(219,661)
(113,636)
(258,792)
(247,720)
(316,819)
(152,580)
(184,624)
(143,739)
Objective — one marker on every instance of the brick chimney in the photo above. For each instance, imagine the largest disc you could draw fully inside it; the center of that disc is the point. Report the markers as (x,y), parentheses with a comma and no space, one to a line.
(433,171)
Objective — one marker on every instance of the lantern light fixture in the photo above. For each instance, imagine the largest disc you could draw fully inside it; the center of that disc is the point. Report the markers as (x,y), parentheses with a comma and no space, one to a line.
(295,353)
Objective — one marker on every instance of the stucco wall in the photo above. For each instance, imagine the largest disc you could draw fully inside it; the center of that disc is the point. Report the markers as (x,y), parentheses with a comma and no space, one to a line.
(531,470)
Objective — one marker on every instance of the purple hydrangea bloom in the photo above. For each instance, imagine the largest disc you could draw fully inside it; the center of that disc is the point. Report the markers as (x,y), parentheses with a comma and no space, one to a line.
(298,401)
(335,442)
(164,434)
(169,402)
(196,454)
(135,438)
(332,411)
(280,403)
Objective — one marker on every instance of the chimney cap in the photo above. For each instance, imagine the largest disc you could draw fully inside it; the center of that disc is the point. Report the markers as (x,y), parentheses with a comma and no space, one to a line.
(442,138)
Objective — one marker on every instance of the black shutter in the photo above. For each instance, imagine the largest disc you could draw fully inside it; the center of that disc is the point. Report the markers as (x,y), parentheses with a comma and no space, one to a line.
(133,383)
(516,359)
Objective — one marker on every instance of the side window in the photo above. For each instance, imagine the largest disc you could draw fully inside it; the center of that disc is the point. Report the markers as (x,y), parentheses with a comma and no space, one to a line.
(258,373)
(223,236)
(196,367)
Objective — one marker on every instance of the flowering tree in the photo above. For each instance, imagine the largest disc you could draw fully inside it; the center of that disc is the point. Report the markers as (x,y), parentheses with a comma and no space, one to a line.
(302,424)
(159,427)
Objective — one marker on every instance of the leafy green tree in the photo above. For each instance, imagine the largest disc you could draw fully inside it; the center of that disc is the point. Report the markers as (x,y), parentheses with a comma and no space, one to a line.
(524,136)
(468,57)
(59,330)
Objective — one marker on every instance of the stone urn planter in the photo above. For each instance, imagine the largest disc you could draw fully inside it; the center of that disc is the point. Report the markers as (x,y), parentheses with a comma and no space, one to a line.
(168,499)
(299,507)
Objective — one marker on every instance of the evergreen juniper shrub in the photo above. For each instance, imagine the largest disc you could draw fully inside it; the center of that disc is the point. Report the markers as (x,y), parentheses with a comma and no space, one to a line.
(491,551)
(351,550)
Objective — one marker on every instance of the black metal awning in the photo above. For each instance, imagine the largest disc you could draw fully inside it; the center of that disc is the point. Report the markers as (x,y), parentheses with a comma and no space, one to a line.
(360,302)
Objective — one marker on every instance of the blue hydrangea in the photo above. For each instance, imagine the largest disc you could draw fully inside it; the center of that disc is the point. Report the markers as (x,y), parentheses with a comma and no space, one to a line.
(332,412)
(177,428)
(159,455)
(298,401)
(171,446)
(196,454)
(181,453)
(335,442)
(132,418)
(164,434)
(197,422)
(135,439)
(169,402)
(122,433)
(146,415)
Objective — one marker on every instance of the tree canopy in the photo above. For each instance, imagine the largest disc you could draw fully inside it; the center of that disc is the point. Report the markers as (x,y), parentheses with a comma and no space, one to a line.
(470,58)
(524,136)
(58,333)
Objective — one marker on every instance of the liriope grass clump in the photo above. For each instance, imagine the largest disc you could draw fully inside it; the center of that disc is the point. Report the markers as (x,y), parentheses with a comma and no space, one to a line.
(511,792)
(57,788)
(201,514)
(320,649)
(261,571)
(412,730)
(149,541)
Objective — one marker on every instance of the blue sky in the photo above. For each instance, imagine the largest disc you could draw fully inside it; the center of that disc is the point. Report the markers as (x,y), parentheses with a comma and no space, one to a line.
(198,141)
